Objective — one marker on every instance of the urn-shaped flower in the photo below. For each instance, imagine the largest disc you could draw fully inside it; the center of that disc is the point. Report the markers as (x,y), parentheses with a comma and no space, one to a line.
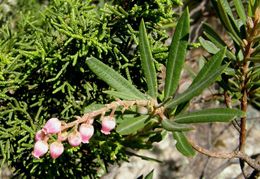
(108,124)
(52,126)
(40,148)
(56,149)
(74,139)
(86,131)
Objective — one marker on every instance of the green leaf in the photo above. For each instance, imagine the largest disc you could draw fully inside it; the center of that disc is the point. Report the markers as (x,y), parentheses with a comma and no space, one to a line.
(121,95)
(252,5)
(112,78)
(177,54)
(240,10)
(182,145)
(228,20)
(215,39)
(212,35)
(174,127)
(195,89)
(92,107)
(208,45)
(213,63)
(147,61)
(209,115)
(149,175)
(255,59)
(130,124)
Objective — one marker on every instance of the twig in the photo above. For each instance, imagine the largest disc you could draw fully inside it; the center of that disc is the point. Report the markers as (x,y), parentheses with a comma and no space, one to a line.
(235,154)
(112,107)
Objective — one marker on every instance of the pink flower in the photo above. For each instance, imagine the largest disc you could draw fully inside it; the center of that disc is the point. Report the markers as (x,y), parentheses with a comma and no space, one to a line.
(108,124)
(86,131)
(56,149)
(40,148)
(39,135)
(52,126)
(74,139)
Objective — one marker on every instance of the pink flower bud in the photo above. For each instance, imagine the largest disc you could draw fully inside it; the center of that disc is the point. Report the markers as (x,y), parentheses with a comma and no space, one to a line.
(40,148)
(56,149)
(74,139)
(52,126)
(108,124)
(39,135)
(86,131)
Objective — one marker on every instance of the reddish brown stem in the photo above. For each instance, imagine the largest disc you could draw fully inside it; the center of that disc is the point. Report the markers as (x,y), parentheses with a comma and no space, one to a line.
(242,140)
(244,91)
(235,154)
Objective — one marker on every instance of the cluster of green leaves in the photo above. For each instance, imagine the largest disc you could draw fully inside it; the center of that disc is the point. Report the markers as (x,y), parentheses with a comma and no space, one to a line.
(174,118)
(237,19)
(43,74)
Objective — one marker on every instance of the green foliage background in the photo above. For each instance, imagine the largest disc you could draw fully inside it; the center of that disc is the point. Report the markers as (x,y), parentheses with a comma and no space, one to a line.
(43,47)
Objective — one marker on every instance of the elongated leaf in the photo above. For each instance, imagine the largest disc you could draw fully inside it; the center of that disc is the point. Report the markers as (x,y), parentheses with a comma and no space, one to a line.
(149,175)
(214,35)
(130,124)
(121,95)
(213,63)
(195,89)
(227,18)
(174,127)
(182,145)
(177,54)
(143,157)
(240,10)
(147,61)
(216,40)
(252,5)
(208,45)
(112,78)
(209,115)
(93,107)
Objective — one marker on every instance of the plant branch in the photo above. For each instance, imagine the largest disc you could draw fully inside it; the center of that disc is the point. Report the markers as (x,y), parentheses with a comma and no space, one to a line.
(235,154)
(150,104)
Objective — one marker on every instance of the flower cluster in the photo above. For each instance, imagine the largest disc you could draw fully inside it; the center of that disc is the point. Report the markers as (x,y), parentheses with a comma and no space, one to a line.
(82,128)
(81,134)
